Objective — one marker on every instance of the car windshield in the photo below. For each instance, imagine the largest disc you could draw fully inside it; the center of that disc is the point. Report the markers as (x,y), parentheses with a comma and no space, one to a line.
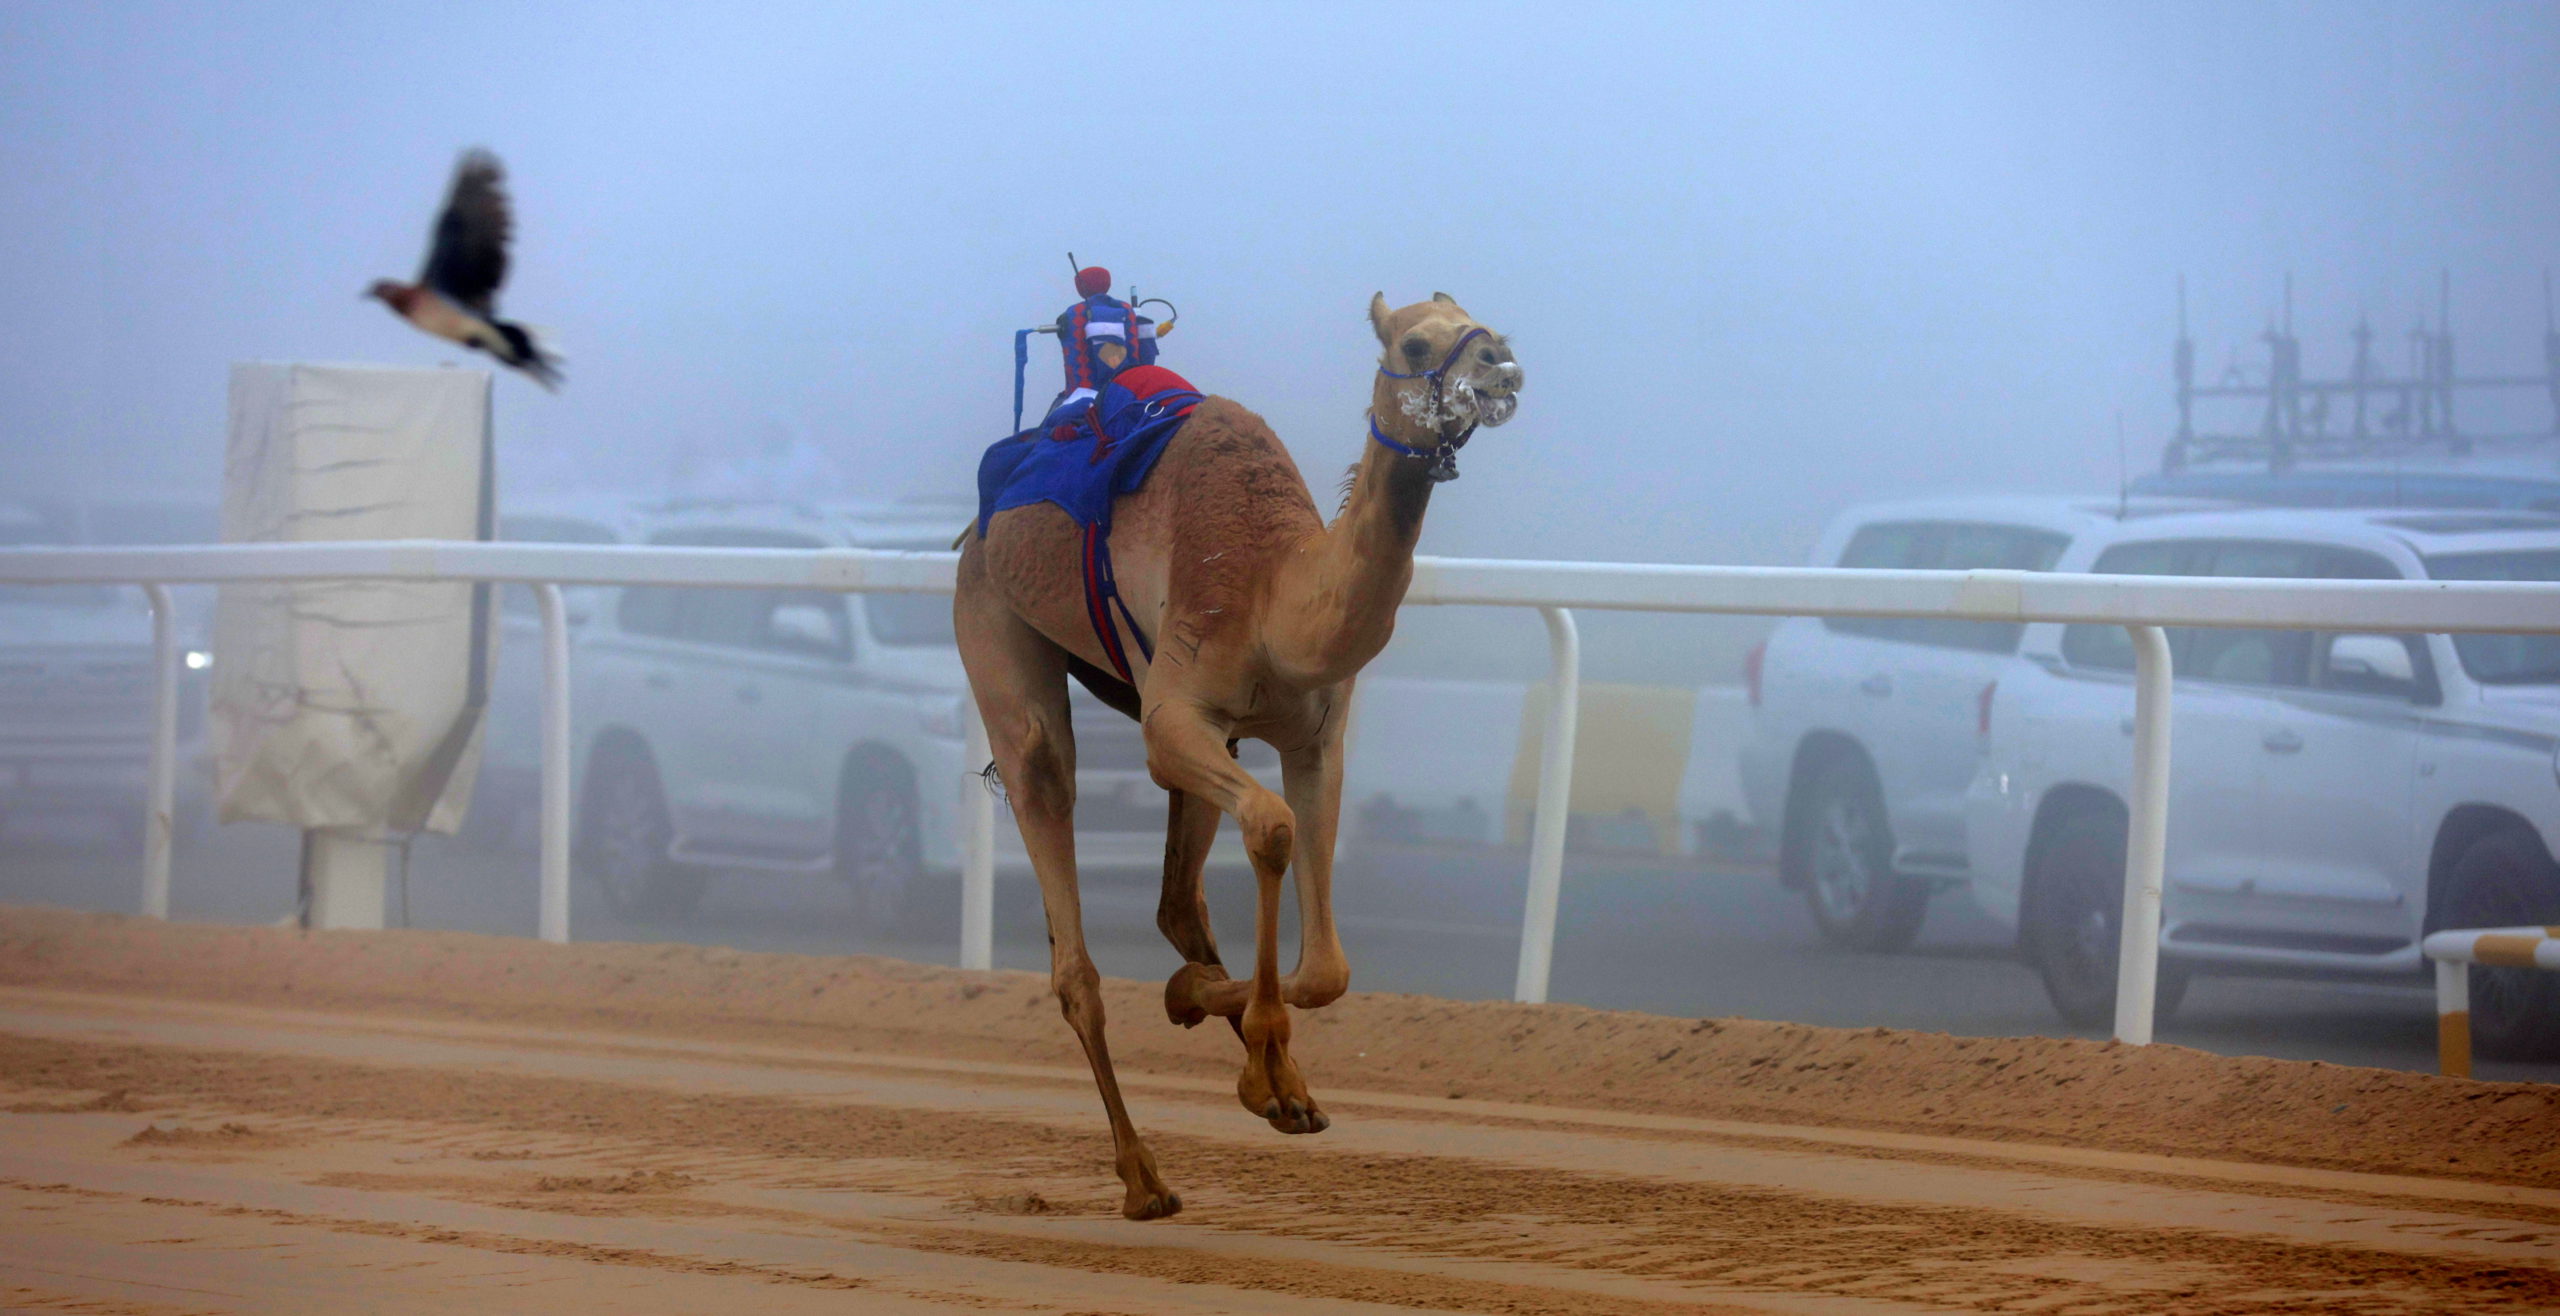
(910,620)
(2505,659)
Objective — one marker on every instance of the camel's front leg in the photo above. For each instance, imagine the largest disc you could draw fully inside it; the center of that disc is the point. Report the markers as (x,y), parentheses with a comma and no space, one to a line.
(1312,777)
(1186,754)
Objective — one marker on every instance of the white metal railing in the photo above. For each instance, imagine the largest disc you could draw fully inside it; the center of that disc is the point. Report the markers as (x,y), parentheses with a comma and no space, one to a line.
(2142,604)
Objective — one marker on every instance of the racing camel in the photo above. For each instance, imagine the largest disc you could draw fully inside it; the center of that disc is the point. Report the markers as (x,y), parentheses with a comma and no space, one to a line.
(1239,613)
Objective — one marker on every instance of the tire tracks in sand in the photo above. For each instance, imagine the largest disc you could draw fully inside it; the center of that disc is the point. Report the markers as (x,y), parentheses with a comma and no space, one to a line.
(944,1182)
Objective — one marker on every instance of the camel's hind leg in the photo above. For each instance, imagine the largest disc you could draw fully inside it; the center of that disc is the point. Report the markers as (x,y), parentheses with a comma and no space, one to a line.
(1186,754)
(1019,679)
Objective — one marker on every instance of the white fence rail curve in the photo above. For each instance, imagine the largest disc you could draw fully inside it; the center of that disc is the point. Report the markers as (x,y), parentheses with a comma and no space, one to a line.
(2142,604)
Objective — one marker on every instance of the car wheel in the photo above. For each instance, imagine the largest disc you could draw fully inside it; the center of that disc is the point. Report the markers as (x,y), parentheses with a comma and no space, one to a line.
(880,843)
(2506,880)
(2075,914)
(625,839)
(1856,898)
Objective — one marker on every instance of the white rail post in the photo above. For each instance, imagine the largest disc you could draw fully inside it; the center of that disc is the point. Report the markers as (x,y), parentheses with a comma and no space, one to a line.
(159,823)
(977,847)
(554,908)
(2146,838)
(1555,799)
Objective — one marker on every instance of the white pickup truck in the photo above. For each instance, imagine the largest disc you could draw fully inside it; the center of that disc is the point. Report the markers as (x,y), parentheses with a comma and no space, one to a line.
(2333,797)
(737,731)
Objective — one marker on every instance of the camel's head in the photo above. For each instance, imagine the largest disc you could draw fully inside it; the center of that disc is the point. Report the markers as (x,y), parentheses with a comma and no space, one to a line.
(1440,373)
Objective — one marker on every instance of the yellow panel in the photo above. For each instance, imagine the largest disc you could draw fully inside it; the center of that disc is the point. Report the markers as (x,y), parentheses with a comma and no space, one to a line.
(1630,750)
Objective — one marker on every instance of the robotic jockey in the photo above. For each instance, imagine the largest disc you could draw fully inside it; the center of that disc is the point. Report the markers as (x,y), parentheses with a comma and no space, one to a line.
(1099,337)
(1116,415)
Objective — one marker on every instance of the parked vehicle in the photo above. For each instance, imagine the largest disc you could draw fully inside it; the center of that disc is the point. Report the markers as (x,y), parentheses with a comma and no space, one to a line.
(510,780)
(76,674)
(748,730)
(1864,732)
(2333,797)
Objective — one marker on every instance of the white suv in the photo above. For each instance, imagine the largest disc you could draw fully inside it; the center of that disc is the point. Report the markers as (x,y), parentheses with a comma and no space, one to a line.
(1865,732)
(2333,797)
(738,730)
(504,795)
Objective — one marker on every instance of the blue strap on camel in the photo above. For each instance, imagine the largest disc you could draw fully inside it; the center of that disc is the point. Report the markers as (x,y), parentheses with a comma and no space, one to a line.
(1099,441)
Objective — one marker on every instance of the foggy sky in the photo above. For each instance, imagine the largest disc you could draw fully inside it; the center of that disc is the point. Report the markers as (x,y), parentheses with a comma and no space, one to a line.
(1758,261)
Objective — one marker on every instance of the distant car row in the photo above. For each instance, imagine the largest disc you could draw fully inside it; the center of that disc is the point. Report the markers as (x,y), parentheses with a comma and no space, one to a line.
(2334,797)
(75,671)
(716,732)
(730,731)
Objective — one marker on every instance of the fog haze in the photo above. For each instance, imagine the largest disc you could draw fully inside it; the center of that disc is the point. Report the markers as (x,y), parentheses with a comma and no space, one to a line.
(1760,262)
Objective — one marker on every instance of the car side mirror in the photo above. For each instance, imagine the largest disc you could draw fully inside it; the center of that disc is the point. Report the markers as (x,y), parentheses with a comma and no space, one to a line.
(2383,665)
(805,628)
(2377,656)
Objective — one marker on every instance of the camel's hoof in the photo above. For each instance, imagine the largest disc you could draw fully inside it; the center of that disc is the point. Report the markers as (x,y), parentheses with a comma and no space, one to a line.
(1182,992)
(1294,1116)
(1150,1205)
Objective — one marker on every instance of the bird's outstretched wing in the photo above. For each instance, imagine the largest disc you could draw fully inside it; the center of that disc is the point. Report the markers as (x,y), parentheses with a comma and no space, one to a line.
(469,257)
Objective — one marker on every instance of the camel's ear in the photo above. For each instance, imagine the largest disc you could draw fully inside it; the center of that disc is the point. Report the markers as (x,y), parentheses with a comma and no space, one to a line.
(1378,315)
(1444,297)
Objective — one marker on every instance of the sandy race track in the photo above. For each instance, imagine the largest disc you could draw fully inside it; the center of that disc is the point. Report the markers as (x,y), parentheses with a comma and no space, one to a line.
(205,1119)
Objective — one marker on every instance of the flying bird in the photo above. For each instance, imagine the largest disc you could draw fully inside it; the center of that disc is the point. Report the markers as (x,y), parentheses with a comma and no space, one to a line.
(455,296)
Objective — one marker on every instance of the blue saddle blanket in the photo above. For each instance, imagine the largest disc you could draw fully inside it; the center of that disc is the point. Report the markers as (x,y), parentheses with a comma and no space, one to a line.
(1086,454)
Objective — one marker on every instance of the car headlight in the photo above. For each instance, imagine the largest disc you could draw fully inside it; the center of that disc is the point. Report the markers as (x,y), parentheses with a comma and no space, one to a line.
(198,659)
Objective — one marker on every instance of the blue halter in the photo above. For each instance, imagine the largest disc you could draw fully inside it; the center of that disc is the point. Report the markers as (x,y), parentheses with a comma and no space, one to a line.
(1443,459)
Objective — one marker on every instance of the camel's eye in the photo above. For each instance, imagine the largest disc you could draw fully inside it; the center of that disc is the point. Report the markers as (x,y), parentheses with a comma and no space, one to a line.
(1416,349)
(1485,354)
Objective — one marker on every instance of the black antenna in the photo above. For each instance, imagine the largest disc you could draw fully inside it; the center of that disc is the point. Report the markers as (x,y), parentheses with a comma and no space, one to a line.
(2550,351)
(2362,374)
(2185,364)
(1072,267)
(2124,481)
(2444,344)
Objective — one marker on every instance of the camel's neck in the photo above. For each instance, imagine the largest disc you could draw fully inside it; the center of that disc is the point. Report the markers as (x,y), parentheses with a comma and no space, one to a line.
(1335,603)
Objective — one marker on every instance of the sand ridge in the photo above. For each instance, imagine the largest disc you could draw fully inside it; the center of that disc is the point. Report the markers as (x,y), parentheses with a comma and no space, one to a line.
(2159,1099)
(425,1118)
